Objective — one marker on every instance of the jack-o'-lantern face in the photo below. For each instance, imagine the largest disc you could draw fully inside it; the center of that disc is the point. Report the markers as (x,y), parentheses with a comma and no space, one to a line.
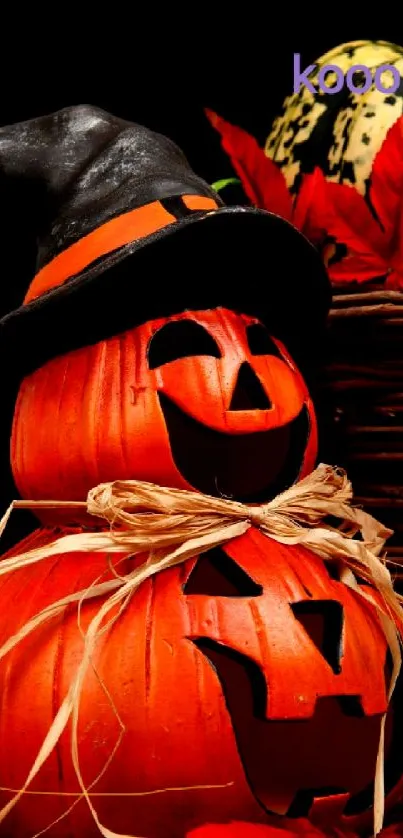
(204,400)
(234,405)
(305,699)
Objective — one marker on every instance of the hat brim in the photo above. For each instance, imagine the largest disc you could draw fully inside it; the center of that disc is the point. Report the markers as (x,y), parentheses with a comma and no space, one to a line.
(240,258)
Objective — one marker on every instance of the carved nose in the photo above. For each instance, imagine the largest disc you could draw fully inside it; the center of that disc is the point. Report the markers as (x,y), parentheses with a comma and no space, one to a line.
(249,393)
(323,621)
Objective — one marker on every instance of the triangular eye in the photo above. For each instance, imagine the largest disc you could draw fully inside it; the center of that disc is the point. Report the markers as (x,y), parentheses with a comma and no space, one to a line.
(216,574)
(260,342)
(180,339)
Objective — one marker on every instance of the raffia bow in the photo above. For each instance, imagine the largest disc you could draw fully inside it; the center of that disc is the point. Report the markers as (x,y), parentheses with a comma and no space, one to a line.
(172,525)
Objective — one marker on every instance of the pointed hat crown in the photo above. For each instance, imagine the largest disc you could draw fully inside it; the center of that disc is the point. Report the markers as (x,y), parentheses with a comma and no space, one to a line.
(127,232)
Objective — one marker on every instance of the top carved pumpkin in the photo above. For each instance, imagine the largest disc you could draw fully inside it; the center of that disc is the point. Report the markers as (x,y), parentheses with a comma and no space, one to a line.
(137,366)
(204,400)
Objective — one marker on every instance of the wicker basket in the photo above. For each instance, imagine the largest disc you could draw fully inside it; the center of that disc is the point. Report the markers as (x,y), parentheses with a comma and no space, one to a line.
(362,397)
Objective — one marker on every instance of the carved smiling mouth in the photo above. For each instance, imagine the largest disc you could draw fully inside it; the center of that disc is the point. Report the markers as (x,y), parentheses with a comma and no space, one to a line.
(290,763)
(252,467)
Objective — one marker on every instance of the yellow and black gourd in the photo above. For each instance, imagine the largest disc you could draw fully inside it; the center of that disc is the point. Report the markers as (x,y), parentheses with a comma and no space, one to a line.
(340,132)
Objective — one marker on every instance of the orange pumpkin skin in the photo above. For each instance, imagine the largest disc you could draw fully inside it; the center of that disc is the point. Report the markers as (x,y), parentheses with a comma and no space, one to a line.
(176,399)
(180,730)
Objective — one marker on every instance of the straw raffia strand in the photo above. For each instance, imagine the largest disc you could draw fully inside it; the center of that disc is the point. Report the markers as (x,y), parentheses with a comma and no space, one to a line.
(172,525)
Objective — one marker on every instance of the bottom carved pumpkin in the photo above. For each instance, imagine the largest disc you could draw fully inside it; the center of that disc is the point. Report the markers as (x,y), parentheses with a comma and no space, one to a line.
(250,683)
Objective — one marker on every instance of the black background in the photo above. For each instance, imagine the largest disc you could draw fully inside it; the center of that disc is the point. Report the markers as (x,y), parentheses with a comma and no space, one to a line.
(243,73)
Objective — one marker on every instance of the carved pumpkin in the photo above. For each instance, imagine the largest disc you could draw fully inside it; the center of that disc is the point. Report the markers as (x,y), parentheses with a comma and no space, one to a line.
(253,677)
(205,400)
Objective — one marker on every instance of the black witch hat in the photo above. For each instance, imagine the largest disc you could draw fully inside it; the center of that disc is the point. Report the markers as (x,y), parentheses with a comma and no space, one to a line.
(127,232)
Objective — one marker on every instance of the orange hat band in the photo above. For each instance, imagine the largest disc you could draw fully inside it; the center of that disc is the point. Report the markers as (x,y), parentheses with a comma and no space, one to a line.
(125,229)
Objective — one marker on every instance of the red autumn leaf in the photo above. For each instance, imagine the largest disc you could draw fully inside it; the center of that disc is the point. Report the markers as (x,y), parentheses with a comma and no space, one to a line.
(350,221)
(386,189)
(353,268)
(395,277)
(371,230)
(374,240)
(394,281)
(309,209)
(346,219)
(262,181)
